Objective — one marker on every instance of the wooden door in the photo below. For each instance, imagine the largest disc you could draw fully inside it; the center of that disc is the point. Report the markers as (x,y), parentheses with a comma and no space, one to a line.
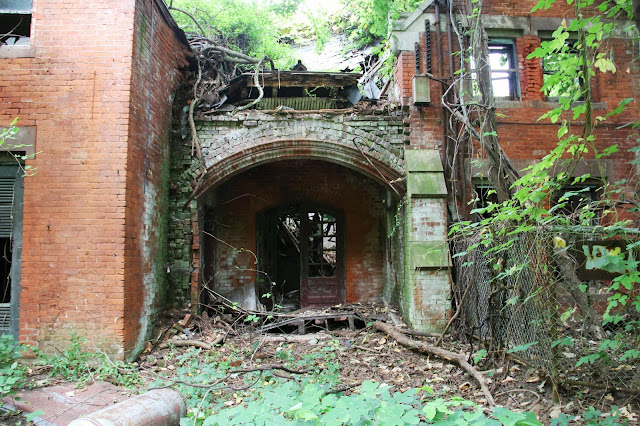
(322,278)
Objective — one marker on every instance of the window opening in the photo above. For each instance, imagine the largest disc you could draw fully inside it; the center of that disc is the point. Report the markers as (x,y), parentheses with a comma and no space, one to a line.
(15,22)
(577,203)
(287,289)
(567,60)
(485,195)
(322,245)
(8,183)
(504,72)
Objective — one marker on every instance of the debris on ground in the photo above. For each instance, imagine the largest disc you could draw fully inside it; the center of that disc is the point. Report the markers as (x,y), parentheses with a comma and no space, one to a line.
(352,343)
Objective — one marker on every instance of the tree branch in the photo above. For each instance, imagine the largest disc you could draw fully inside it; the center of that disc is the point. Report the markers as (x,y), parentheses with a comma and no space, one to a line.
(459,359)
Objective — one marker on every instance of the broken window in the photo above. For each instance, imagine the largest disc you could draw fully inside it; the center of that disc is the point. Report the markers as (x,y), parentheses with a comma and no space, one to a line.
(15,22)
(322,245)
(568,60)
(577,203)
(504,70)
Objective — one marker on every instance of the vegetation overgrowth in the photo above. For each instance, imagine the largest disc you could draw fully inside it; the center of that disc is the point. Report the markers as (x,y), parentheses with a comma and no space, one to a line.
(540,200)
(223,387)
(271,29)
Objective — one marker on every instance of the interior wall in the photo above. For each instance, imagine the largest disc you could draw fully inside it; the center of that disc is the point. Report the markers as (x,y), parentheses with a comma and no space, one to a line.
(239,200)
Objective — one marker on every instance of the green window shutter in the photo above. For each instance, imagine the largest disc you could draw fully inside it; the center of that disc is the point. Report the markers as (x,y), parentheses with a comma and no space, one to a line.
(7,185)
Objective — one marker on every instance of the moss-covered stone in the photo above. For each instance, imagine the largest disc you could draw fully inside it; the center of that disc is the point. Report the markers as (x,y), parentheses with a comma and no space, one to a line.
(426,185)
(422,160)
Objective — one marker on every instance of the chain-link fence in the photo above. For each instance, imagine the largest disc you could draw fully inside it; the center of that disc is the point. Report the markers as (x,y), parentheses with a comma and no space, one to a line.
(528,294)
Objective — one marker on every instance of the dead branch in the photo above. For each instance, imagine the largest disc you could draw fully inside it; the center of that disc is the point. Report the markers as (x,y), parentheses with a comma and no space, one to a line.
(459,359)
(394,318)
(418,333)
(179,343)
(293,338)
(231,53)
(256,82)
(269,367)
(508,393)
(593,385)
(2,36)
(190,16)
(362,348)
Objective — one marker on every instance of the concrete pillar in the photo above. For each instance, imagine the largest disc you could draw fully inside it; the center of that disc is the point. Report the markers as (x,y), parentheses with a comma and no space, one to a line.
(426,295)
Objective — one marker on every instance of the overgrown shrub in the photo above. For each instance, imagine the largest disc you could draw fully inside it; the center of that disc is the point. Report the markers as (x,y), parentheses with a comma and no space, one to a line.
(12,374)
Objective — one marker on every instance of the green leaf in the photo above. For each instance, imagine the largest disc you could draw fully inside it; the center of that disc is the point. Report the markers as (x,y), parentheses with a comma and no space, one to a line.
(429,411)
(566,314)
(31,417)
(520,348)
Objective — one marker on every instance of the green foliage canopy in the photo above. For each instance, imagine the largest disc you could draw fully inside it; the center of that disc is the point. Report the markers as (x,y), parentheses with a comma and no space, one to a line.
(246,26)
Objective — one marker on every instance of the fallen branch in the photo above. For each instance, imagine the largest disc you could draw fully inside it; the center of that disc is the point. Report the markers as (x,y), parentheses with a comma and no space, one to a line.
(362,348)
(293,338)
(394,318)
(261,369)
(631,391)
(256,82)
(179,343)
(418,333)
(459,359)
(268,368)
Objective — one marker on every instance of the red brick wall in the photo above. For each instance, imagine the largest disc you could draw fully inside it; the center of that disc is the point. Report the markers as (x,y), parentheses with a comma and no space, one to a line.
(157,56)
(523,8)
(275,184)
(77,92)
(521,135)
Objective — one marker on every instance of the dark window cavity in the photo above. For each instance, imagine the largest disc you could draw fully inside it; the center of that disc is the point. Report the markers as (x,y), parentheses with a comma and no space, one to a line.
(15,22)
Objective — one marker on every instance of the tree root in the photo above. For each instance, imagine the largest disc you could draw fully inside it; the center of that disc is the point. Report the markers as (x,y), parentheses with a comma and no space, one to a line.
(440,353)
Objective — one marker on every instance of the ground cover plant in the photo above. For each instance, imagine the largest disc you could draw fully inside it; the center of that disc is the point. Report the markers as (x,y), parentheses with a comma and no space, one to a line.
(351,377)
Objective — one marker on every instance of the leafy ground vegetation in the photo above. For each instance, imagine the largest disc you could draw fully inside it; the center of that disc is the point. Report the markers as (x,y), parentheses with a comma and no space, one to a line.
(339,377)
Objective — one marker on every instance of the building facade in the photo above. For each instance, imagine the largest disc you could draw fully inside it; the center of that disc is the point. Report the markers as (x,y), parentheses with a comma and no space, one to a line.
(92,85)
(302,201)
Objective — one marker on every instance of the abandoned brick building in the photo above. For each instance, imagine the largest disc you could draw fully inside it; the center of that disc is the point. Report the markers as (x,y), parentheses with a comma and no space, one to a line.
(333,199)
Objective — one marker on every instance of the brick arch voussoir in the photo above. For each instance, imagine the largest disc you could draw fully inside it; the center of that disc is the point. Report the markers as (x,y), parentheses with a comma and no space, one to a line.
(329,132)
(261,152)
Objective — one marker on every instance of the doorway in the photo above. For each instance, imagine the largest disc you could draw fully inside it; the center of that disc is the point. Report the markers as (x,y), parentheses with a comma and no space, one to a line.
(301,256)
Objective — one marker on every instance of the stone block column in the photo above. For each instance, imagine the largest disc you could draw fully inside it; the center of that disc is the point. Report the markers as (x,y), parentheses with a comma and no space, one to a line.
(426,295)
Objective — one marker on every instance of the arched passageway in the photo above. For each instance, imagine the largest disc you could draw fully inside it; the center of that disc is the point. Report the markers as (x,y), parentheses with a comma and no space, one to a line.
(302,232)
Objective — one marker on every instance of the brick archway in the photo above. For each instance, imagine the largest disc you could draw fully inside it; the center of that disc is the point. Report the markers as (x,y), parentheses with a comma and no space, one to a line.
(279,139)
